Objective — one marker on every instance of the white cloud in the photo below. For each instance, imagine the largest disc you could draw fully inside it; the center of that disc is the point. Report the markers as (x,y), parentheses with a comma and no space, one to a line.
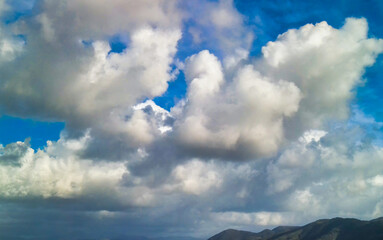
(84,84)
(10,48)
(337,175)
(295,160)
(304,80)
(163,120)
(47,173)
(321,61)
(302,200)
(376,181)
(197,177)
(254,218)
(245,113)
(204,74)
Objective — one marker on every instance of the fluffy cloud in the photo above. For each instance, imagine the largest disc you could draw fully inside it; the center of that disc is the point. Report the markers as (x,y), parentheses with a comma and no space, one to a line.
(321,61)
(377,180)
(231,117)
(304,79)
(122,158)
(82,81)
(337,172)
(299,156)
(196,177)
(56,172)
(248,111)
(327,174)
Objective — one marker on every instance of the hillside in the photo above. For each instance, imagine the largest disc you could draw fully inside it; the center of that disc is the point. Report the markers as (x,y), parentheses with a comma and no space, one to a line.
(325,229)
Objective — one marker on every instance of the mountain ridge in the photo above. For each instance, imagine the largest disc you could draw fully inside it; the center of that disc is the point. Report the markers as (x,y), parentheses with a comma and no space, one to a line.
(322,229)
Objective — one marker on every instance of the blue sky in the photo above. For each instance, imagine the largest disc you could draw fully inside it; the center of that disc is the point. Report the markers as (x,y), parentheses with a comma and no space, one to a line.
(184,118)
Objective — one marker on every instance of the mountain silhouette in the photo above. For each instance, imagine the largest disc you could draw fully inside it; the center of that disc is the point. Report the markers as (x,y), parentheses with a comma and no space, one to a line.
(324,229)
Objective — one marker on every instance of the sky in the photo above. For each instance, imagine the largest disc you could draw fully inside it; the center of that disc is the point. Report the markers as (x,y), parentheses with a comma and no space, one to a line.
(176,119)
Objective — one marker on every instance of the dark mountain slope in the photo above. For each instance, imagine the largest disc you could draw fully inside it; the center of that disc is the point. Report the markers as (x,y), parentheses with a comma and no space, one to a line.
(325,229)
(232,234)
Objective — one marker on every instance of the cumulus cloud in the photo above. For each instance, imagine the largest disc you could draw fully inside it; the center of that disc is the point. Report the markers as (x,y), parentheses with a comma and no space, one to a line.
(11,153)
(196,177)
(337,173)
(248,111)
(321,61)
(59,171)
(298,156)
(304,79)
(82,81)
(55,172)
(232,117)
(122,158)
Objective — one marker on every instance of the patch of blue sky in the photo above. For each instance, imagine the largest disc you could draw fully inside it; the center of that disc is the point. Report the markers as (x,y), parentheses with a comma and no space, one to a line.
(175,92)
(17,9)
(369,97)
(14,129)
(118,43)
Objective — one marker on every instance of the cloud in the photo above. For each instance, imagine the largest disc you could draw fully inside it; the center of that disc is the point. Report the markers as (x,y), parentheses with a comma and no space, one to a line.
(231,117)
(337,180)
(297,157)
(196,178)
(320,60)
(304,80)
(95,19)
(124,161)
(257,218)
(84,83)
(55,172)
(3,6)
(294,98)
(337,174)
(377,181)
(11,46)
(221,27)
(10,154)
